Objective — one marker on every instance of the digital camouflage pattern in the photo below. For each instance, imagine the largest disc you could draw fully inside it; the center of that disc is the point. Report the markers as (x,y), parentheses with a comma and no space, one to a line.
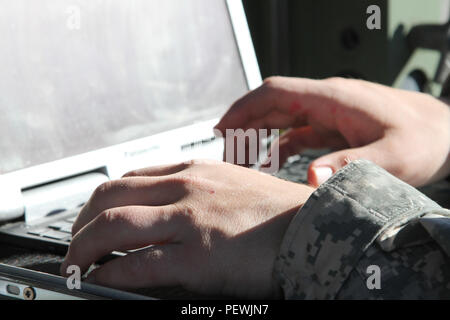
(361,217)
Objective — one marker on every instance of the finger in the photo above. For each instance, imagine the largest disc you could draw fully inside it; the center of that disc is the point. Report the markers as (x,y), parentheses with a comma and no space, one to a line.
(122,229)
(151,267)
(137,191)
(291,97)
(162,170)
(294,141)
(380,152)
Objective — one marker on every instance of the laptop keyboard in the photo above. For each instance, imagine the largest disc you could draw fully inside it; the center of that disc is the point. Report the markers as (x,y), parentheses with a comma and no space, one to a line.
(296,167)
(60,229)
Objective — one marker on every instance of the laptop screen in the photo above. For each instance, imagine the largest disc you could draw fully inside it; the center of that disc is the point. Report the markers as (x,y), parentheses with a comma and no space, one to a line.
(79,75)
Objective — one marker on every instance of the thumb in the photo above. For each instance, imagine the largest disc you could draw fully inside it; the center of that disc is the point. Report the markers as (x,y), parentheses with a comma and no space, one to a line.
(321,169)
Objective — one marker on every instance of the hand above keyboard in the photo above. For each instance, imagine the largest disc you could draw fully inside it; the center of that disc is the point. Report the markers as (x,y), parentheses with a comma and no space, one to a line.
(406,133)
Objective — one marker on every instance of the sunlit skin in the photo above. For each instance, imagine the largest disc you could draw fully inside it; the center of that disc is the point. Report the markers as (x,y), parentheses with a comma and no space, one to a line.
(216,227)
(406,133)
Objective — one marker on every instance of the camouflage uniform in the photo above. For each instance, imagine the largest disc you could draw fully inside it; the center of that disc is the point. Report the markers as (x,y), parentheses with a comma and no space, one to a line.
(360,217)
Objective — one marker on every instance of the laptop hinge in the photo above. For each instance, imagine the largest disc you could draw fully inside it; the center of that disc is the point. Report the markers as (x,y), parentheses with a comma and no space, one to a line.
(66,194)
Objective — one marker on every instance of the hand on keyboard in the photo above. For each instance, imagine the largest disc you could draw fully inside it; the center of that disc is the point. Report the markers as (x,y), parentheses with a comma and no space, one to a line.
(215,228)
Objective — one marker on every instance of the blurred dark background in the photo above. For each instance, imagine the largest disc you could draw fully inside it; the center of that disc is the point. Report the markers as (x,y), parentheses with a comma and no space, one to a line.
(324,38)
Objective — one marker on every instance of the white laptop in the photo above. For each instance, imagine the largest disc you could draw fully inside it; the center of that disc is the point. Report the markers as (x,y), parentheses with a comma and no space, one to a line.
(90,89)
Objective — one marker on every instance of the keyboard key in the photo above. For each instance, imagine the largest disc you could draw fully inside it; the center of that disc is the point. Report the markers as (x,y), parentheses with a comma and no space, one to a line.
(56,235)
(37,232)
(62,226)
(58,225)
(67,228)
(71,219)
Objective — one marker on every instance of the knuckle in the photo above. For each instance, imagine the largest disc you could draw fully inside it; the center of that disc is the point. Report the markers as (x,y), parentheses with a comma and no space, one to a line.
(191,163)
(182,219)
(102,189)
(340,80)
(273,82)
(345,83)
(111,216)
(185,181)
(106,189)
(275,87)
(339,89)
(182,214)
(201,162)
(132,173)
(335,79)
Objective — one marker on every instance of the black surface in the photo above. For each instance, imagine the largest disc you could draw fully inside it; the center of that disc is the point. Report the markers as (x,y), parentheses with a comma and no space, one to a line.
(50,263)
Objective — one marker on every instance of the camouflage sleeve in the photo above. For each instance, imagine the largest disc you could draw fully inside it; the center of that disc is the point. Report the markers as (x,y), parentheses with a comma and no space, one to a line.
(365,234)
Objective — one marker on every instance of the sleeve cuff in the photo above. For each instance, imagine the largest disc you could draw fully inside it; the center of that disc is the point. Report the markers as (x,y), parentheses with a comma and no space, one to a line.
(337,224)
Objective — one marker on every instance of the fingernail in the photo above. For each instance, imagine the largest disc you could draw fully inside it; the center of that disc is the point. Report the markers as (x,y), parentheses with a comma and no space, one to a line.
(322,174)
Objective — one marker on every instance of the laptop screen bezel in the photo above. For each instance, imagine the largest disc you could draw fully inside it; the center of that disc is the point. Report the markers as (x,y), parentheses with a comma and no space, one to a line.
(59,169)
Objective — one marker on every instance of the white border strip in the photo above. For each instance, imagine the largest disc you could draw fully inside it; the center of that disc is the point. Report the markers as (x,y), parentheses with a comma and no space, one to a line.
(112,157)
(244,42)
